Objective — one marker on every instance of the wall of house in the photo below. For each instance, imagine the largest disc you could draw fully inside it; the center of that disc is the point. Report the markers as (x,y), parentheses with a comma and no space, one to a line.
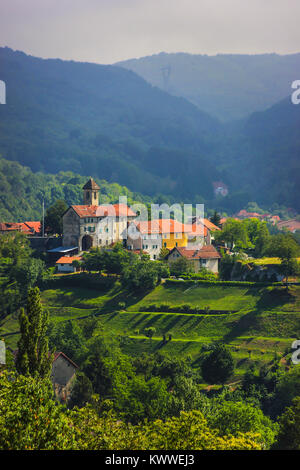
(71,228)
(65,268)
(172,240)
(210,264)
(62,371)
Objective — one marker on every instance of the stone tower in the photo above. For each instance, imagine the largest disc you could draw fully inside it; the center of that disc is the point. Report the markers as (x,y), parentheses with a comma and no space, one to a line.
(90,193)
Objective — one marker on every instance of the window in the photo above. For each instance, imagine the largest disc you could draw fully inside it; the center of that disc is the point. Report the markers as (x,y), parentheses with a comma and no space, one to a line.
(165,245)
(154,256)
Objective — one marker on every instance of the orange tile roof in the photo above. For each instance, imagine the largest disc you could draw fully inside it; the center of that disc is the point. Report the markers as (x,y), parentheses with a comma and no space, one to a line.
(36,226)
(208,224)
(109,210)
(25,227)
(291,225)
(166,226)
(10,226)
(68,259)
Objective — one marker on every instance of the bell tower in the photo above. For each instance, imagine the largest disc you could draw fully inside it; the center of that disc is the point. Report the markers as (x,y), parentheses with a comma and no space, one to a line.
(91,193)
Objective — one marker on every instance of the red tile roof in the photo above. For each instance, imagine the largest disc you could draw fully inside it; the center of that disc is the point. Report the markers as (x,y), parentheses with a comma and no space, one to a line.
(110,210)
(25,227)
(35,226)
(206,252)
(292,225)
(166,226)
(10,226)
(208,224)
(68,259)
(58,354)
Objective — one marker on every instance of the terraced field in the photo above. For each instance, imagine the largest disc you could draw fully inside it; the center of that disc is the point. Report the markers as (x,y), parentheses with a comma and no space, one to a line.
(265,322)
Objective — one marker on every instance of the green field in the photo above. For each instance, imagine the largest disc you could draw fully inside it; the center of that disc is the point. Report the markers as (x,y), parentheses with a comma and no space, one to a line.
(265,323)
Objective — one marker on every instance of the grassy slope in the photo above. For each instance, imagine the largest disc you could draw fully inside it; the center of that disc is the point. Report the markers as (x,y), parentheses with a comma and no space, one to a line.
(266,321)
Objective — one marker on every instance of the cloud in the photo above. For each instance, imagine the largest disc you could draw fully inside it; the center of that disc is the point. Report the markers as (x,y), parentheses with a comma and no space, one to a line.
(106,31)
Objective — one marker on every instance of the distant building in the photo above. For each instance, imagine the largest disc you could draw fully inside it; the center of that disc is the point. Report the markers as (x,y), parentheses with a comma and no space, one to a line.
(29,228)
(291,225)
(220,188)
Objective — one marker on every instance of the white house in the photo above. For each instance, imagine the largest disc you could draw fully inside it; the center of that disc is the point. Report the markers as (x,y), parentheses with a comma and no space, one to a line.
(64,264)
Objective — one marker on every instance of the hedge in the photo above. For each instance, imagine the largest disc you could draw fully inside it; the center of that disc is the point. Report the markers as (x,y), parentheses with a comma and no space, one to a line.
(84,280)
(184,308)
(192,282)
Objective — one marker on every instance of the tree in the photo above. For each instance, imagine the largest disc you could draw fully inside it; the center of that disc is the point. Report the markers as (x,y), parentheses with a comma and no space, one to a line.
(289,427)
(30,419)
(258,235)
(144,275)
(27,272)
(218,365)
(234,233)
(285,247)
(53,219)
(239,417)
(33,356)
(216,219)
(149,332)
(180,266)
(82,391)
(163,253)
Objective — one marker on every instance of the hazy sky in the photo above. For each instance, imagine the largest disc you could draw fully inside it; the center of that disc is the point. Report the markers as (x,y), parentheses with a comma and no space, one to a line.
(106,31)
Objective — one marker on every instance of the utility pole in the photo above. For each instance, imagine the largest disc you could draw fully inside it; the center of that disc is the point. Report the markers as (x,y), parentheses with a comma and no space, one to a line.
(43,224)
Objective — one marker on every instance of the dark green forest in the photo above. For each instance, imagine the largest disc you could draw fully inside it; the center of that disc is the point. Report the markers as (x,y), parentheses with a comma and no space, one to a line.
(22,191)
(108,122)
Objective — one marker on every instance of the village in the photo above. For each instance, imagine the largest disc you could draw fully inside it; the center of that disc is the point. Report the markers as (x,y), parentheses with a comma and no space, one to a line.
(91,225)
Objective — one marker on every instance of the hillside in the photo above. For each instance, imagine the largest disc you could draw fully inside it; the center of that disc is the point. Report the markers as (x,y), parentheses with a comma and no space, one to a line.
(228,86)
(264,323)
(19,183)
(64,115)
(109,123)
(266,155)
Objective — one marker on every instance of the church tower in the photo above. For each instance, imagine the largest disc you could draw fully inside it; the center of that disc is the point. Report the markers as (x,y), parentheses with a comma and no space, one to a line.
(90,193)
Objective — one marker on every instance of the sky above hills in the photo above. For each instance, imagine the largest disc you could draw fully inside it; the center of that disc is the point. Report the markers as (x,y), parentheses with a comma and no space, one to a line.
(106,31)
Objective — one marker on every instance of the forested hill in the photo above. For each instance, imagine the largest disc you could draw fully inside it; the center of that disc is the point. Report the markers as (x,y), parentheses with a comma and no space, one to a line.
(65,115)
(22,191)
(109,123)
(266,155)
(229,86)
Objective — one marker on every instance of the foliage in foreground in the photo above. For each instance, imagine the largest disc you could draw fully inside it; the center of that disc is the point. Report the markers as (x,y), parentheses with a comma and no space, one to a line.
(30,419)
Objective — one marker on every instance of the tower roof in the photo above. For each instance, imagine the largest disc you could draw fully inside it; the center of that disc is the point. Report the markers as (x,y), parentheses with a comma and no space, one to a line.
(91,184)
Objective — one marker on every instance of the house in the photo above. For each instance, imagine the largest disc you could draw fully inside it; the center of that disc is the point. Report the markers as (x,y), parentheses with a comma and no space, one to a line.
(152,236)
(63,375)
(220,188)
(29,228)
(207,257)
(64,264)
(93,225)
(291,225)
(209,228)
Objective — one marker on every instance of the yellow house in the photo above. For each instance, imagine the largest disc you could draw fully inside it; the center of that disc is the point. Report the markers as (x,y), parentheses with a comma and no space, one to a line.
(176,234)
